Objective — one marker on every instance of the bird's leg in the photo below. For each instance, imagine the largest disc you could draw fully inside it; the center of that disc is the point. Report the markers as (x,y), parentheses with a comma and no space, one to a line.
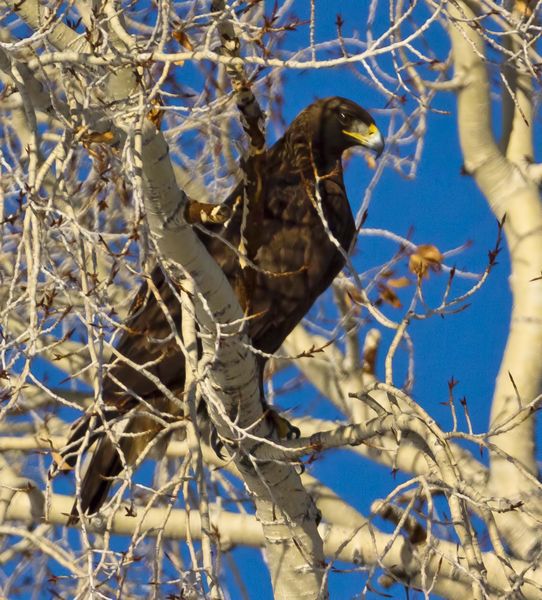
(216,443)
(281,426)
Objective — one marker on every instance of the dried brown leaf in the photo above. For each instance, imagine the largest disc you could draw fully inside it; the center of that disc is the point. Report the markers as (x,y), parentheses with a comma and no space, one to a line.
(182,37)
(96,137)
(371,161)
(156,114)
(61,464)
(388,296)
(525,7)
(399,282)
(427,257)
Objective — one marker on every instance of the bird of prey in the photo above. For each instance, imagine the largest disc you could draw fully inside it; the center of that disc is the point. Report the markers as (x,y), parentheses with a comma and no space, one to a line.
(295,234)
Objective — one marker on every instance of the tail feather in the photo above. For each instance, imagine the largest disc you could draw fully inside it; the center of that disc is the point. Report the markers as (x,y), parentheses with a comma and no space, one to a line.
(77,442)
(74,445)
(104,466)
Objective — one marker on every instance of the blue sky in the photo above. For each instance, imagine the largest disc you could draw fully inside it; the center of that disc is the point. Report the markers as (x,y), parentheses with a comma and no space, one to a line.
(441,206)
(444,208)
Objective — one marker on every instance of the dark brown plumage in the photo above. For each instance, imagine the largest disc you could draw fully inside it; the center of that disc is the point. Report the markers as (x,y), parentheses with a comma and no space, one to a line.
(286,239)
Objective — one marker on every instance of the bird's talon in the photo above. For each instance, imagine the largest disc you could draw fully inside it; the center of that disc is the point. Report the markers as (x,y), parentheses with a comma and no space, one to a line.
(283,427)
(216,443)
(300,468)
(294,433)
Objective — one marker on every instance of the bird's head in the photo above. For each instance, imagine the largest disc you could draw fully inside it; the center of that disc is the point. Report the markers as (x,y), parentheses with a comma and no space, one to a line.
(346,124)
(332,125)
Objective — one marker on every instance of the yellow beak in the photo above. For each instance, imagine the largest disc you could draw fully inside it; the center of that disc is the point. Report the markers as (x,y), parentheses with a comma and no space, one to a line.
(371,138)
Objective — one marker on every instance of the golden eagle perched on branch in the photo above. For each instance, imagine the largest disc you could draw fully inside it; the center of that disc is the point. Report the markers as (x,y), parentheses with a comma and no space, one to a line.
(279,250)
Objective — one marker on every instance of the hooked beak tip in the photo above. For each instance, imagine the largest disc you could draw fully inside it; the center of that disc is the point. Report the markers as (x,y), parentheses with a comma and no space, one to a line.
(376,143)
(372,140)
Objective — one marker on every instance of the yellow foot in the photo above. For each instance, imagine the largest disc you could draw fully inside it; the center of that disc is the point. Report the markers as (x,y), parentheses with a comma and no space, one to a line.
(282,426)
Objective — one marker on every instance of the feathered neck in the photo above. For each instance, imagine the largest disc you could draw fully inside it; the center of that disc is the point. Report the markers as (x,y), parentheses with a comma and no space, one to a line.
(302,149)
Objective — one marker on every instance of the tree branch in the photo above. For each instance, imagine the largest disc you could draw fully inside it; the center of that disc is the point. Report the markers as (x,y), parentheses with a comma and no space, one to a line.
(509,193)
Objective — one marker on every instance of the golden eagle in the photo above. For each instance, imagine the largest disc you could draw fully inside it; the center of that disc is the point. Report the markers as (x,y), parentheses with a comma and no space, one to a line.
(295,234)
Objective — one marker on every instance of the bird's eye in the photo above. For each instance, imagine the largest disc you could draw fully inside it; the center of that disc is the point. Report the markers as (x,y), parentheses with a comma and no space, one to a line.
(342,117)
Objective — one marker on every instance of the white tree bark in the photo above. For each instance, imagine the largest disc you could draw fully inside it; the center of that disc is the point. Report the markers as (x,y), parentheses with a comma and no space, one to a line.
(512,195)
